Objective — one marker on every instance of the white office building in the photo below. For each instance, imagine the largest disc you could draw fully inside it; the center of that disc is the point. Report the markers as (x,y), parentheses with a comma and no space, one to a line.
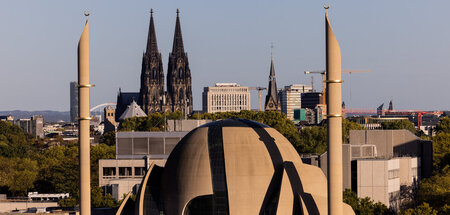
(226,97)
(291,98)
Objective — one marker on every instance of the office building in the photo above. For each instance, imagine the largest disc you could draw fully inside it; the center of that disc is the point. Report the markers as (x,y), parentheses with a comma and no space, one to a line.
(225,97)
(311,100)
(291,98)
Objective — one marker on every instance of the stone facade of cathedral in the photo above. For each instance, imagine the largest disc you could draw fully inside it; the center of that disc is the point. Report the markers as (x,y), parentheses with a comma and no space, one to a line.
(152,95)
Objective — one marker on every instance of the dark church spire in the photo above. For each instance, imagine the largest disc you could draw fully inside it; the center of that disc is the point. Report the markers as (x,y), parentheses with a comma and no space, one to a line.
(152,45)
(272,99)
(152,74)
(177,38)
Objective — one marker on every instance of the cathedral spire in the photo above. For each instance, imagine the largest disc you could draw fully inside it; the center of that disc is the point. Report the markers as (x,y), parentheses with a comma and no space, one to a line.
(177,38)
(152,46)
(272,99)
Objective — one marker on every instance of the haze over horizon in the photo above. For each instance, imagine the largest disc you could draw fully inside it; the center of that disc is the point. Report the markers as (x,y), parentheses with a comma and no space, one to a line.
(405,44)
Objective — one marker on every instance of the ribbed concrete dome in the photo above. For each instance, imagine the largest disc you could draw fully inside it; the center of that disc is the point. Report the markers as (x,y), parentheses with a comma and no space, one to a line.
(240,166)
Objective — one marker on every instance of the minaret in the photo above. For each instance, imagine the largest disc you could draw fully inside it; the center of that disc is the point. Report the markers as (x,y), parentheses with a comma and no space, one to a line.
(84,118)
(334,116)
(272,98)
(179,88)
(152,74)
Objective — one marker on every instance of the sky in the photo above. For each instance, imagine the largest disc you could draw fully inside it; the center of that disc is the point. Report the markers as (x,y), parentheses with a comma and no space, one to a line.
(404,43)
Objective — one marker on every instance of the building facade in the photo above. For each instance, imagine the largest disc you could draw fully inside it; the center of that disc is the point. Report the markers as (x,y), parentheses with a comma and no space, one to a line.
(311,100)
(291,98)
(73,101)
(152,95)
(225,97)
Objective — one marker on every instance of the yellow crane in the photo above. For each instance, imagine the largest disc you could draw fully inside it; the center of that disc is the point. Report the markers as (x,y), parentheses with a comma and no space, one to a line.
(324,73)
(260,89)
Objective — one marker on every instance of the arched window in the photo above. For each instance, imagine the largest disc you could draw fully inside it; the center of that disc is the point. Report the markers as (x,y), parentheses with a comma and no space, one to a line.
(180,73)
(154,73)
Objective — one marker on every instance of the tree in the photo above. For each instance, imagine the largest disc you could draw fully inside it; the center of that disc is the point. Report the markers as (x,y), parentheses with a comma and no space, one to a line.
(18,175)
(443,126)
(435,190)
(313,140)
(399,124)
(365,206)
(441,150)
(424,208)
(108,138)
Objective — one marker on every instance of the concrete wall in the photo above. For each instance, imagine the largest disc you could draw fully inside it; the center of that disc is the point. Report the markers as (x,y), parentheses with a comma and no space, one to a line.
(9,206)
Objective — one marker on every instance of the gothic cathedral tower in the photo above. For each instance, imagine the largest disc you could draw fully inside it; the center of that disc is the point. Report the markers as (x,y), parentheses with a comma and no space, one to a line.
(272,99)
(179,87)
(152,74)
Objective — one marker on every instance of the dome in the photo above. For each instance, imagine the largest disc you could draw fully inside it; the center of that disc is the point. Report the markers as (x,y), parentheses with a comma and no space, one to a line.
(235,166)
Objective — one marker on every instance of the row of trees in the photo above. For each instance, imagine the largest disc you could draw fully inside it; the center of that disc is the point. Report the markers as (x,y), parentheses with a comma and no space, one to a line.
(28,165)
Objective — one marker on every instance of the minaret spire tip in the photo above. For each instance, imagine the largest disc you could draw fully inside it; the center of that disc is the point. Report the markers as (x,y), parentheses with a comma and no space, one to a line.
(326,7)
(86,14)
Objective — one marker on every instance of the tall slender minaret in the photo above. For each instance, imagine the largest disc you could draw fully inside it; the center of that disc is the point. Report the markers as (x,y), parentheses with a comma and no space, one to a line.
(152,74)
(179,87)
(334,116)
(83,105)
(272,99)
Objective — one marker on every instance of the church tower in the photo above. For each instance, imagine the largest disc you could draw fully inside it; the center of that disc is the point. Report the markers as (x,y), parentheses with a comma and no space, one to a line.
(272,99)
(152,74)
(179,89)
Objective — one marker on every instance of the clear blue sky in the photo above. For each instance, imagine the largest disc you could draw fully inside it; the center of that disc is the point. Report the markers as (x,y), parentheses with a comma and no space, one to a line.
(405,44)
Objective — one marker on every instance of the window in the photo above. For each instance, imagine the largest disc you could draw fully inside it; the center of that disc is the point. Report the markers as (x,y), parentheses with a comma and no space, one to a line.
(124,171)
(139,171)
(109,171)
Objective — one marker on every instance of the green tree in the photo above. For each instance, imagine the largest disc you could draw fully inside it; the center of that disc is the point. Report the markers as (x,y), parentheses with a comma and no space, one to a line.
(108,138)
(424,208)
(399,124)
(441,151)
(365,206)
(435,191)
(313,140)
(18,175)
(443,126)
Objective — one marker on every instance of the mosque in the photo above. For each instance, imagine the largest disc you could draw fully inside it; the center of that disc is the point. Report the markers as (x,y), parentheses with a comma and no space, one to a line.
(232,166)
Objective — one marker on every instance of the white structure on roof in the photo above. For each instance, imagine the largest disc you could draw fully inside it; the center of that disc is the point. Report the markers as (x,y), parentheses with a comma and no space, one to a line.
(133,110)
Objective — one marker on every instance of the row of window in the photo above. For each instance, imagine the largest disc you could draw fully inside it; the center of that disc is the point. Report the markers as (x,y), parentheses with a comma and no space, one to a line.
(123,171)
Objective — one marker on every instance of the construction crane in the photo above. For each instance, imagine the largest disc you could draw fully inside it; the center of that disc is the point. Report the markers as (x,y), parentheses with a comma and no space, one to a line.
(260,89)
(324,73)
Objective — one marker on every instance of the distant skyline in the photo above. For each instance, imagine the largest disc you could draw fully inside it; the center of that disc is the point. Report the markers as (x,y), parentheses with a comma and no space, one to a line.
(405,44)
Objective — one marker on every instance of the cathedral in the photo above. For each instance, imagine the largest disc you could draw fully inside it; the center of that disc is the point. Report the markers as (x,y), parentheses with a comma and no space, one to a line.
(152,96)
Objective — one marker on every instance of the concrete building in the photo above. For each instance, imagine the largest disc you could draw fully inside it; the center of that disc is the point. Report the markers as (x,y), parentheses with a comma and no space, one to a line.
(185,124)
(381,164)
(135,151)
(34,125)
(232,166)
(73,101)
(291,98)
(225,97)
